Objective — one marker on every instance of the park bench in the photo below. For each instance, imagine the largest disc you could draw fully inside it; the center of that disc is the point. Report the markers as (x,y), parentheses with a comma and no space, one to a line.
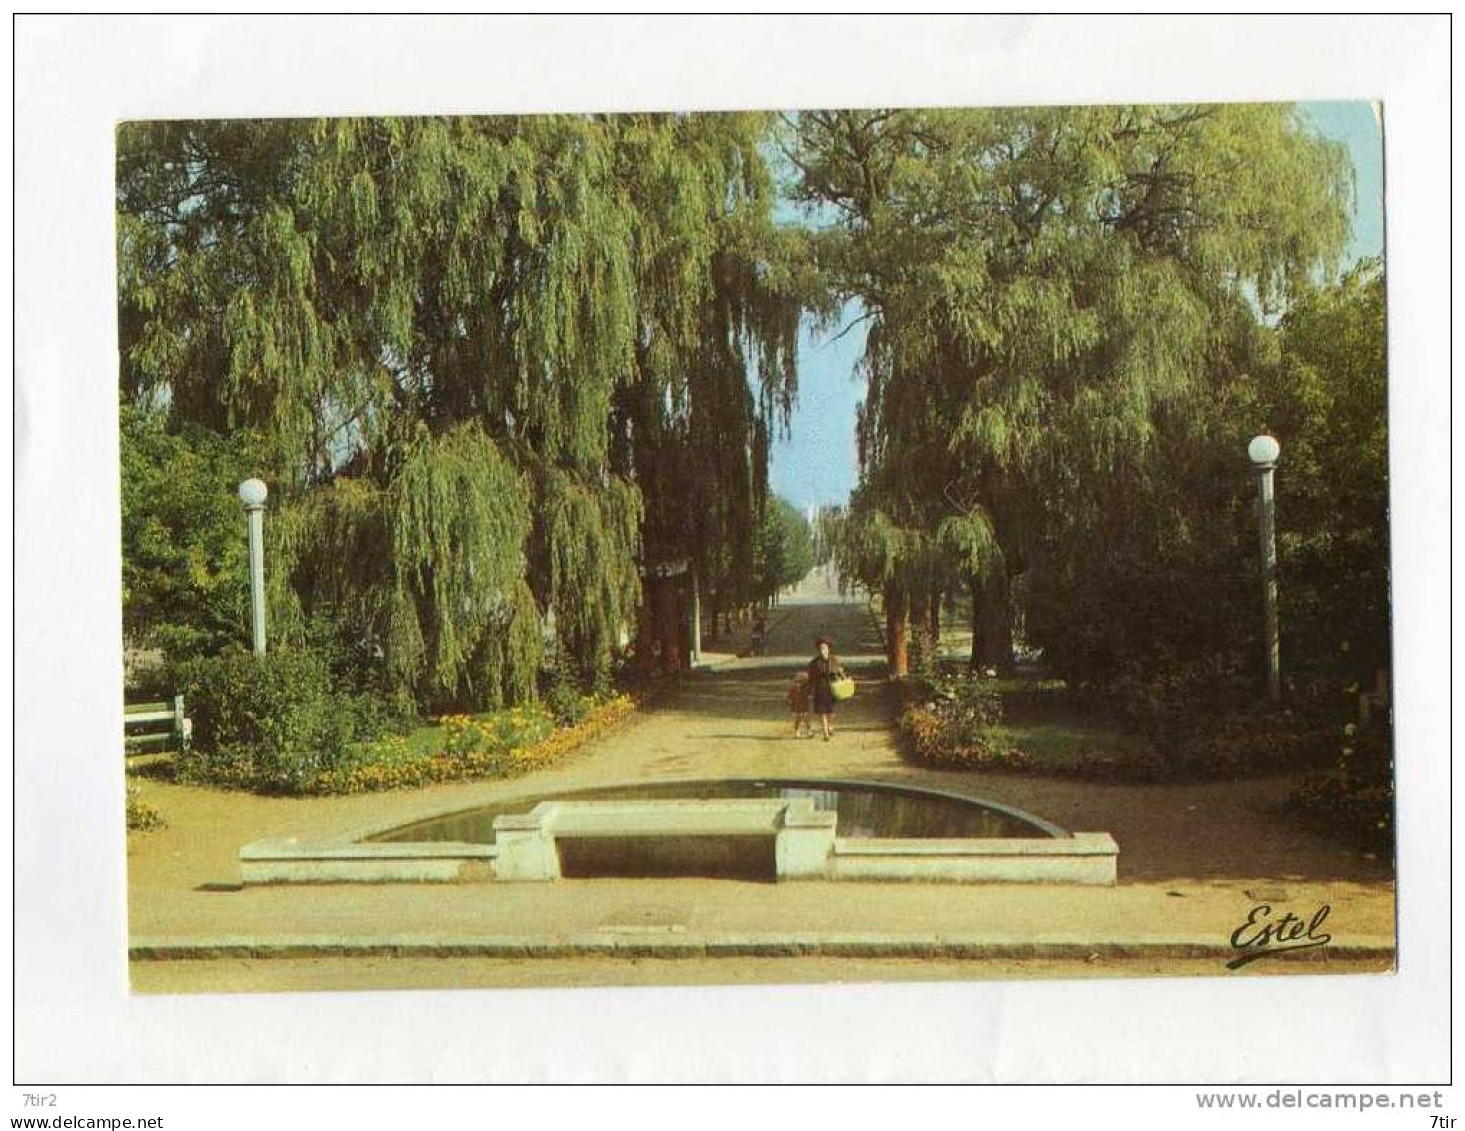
(150,727)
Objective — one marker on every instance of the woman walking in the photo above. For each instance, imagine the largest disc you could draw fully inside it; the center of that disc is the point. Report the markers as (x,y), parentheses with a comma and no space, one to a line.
(823,670)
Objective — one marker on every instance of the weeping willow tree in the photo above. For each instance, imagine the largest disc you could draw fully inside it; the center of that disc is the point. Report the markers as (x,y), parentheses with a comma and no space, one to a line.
(1052,293)
(725,290)
(486,356)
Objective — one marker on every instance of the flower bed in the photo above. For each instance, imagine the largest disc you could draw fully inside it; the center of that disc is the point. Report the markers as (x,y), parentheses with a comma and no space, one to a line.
(953,719)
(500,745)
(948,720)
(937,738)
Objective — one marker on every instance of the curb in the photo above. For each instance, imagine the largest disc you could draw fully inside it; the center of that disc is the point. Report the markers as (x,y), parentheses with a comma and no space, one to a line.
(613,944)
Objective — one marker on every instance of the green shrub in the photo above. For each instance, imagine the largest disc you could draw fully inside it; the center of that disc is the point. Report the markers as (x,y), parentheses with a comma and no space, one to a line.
(522,726)
(141,817)
(971,703)
(273,721)
(1205,720)
(565,702)
(948,720)
(1357,812)
(942,741)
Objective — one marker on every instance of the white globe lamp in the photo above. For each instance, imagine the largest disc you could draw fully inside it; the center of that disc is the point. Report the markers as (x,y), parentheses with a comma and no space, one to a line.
(1264,450)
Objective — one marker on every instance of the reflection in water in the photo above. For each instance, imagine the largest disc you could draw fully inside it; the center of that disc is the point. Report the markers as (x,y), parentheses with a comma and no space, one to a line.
(863,810)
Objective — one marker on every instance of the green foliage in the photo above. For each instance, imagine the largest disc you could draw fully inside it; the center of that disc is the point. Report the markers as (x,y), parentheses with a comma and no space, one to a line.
(141,815)
(586,547)
(185,579)
(1328,404)
(1360,814)
(828,529)
(783,552)
(1061,302)
(1203,720)
(460,624)
(274,721)
(566,704)
(1113,596)
(500,364)
(951,718)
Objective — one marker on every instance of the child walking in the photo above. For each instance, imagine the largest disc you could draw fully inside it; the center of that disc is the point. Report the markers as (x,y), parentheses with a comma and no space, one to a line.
(799,702)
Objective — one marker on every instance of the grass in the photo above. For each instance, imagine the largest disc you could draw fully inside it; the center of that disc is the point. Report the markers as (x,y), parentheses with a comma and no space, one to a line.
(1063,740)
(1018,684)
(1047,729)
(1052,733)
(426,739)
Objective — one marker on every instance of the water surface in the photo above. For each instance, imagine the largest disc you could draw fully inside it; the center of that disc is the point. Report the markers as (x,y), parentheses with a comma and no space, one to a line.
(864,809)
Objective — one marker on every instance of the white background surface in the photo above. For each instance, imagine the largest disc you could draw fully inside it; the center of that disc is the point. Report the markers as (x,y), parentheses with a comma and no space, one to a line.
(75,1021)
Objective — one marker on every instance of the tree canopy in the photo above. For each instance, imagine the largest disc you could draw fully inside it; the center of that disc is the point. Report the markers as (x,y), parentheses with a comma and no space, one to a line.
(784,551)
(495,364)
(1052,295)
(504,375)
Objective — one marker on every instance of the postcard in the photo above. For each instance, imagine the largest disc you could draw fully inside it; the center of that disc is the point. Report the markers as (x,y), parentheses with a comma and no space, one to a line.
(941,543)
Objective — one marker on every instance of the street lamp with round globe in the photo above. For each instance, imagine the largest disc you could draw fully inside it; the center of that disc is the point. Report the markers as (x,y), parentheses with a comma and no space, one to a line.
(253,493)
(1264,450)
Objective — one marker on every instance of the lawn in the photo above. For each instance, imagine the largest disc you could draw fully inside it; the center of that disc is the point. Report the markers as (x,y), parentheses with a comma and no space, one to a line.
(1064,739)
(429,738)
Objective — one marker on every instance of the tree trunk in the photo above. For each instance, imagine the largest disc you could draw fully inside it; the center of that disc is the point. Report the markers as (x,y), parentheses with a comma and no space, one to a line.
(668,624)
(682,608)
(646,627)
(895,635)
(936,618)
(992,623)
(920,631)
(975,584)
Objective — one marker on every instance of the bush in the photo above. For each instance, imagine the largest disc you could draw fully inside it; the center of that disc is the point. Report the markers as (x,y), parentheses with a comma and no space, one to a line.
(141,817)
(948,719)
(1355,802)
(1205,720)
(273,721)
(185,576)
(567,704)
(1356,812)
(936,738)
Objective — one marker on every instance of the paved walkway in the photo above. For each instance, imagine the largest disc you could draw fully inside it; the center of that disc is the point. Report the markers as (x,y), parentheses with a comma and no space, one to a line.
(1193,859)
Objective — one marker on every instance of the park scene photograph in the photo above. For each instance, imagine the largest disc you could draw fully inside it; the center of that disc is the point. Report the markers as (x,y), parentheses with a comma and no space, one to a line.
(830,545)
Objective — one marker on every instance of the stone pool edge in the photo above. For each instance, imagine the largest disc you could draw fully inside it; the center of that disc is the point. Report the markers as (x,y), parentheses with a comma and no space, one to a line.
(807,847)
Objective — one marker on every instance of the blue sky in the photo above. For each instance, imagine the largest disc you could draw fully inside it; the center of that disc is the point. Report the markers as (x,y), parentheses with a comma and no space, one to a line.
(816,463)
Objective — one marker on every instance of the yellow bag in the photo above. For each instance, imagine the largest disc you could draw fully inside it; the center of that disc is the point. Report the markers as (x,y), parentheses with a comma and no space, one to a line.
(842,688)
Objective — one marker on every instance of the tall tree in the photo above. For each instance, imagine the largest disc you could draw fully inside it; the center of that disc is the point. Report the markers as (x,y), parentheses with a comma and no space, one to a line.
(784,548)
(1048,290)
(474,347)
(1327,401)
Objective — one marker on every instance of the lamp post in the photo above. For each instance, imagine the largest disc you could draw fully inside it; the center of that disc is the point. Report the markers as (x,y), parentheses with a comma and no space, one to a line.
(696,620)
(252,493)
(1263,451)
